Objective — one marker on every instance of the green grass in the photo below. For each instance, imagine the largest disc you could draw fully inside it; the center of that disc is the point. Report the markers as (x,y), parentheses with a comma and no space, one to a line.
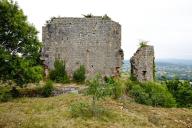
(54,112)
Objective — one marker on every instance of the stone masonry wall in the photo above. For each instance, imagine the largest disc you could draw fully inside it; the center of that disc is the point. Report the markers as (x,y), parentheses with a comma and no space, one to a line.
(142,64)
(94,42)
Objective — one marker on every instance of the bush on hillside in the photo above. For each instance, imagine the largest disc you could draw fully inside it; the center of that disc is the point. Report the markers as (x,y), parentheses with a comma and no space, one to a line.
(80,109)
(14,92)
(5,94)
(79,74)
(59,73)
(25,72)
(181,90)
(47,89)
(151,93)
(115,87)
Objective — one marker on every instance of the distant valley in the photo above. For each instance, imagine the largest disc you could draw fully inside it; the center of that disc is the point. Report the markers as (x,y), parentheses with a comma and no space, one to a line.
(169,68)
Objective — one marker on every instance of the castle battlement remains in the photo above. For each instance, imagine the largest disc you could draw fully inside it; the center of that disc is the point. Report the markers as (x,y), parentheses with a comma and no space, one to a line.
(94,42)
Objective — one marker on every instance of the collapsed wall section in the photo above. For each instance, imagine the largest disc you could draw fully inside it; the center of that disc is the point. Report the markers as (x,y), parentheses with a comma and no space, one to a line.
(142,64)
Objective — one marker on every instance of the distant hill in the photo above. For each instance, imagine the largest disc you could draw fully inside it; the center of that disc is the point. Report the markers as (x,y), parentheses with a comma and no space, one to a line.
(176,61)
(169,68)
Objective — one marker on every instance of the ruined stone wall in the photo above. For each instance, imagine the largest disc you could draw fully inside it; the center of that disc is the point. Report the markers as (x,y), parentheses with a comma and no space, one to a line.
(93,42)
(142,64)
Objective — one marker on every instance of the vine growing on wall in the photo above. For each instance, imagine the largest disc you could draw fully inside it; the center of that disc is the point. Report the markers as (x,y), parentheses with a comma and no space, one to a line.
(154,69)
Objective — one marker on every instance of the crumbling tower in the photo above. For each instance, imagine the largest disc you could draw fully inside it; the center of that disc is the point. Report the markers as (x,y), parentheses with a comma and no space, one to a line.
(142,64)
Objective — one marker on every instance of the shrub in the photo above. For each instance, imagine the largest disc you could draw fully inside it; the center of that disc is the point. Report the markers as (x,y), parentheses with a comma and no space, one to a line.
(47,89)
(97,88)
(5,94)
(79,74)
(83,109)
(14,92)
(59,74)
(151,93)
(88,15)
(173,85)
(115,87)
(184,95)
(106,17)
(143,43)
(80,109)
(181,90)
(23,71)
(35,74)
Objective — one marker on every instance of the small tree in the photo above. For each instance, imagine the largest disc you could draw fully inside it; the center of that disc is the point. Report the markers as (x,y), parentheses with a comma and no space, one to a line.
(79,74)
(59,74)
(97,89)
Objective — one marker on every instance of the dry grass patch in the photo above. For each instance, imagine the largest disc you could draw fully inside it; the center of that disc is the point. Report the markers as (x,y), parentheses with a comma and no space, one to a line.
(54,112)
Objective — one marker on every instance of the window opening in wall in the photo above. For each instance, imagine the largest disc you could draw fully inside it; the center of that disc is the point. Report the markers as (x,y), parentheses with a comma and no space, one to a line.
(117,70)
(46,55)
(58,56)
(144,75)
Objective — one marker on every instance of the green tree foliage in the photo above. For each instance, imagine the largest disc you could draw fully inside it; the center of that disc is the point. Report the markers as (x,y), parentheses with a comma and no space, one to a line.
(19,46)
(181,90)
(25,72)
(79,74)
(16,34)
(21,71)
(97,88)
(59,73)
(151,93)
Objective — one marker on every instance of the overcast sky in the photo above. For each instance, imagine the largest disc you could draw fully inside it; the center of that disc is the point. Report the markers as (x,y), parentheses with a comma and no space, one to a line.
(167,24)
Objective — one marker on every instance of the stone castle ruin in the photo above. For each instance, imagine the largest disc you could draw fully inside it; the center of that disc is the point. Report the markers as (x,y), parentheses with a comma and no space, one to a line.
(94,42)
(142,64)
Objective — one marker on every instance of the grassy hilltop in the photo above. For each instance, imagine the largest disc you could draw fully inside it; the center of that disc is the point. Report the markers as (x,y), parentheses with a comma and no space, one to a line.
(54,112)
